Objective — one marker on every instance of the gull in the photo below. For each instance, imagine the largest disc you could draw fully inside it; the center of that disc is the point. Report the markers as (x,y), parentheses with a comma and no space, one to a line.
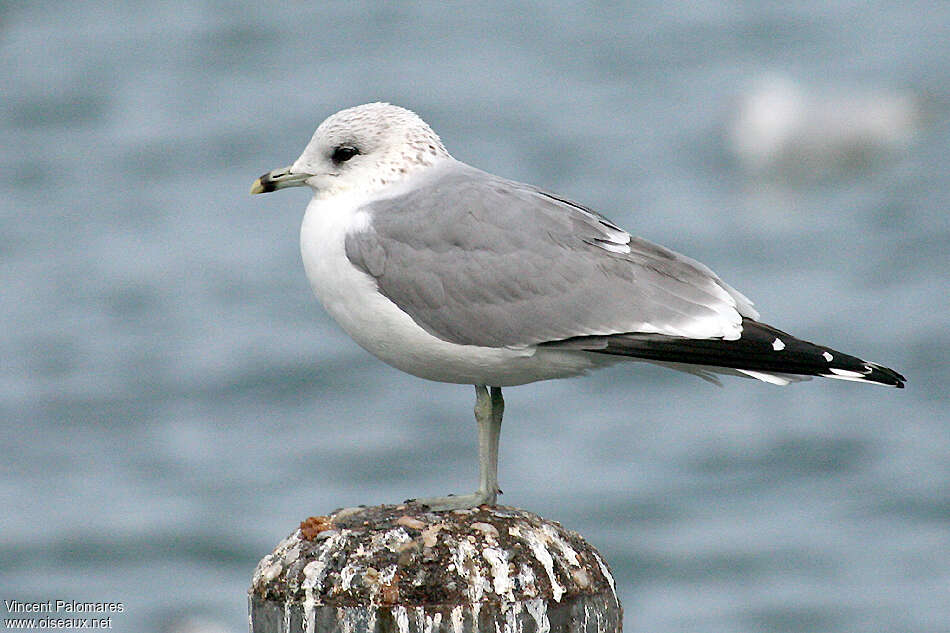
(782,125)
(456,275)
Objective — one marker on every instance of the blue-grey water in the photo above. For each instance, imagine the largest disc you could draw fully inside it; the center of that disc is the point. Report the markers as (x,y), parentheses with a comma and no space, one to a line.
(174,400)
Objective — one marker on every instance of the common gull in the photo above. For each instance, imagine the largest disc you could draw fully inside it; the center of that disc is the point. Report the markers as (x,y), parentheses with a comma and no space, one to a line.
(453,274)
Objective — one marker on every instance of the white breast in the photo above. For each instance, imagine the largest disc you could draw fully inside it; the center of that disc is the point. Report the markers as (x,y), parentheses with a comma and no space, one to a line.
(351,297)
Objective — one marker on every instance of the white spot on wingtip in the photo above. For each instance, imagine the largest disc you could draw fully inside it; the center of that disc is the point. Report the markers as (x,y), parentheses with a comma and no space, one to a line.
(852,378)
(764,377)
(828,356)
(845,373)
(856,376)
(778,345)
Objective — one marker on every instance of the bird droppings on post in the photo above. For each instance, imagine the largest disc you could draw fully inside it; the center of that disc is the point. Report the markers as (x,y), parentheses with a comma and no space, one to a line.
(407,569)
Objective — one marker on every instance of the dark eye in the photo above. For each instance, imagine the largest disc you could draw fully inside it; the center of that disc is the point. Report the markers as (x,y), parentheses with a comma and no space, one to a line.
(344,153)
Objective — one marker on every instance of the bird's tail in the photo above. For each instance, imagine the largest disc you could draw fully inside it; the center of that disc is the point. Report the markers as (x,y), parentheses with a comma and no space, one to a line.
(761,349)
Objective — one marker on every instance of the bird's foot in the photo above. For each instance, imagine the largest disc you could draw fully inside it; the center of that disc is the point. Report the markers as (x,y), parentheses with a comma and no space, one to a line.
(457,502)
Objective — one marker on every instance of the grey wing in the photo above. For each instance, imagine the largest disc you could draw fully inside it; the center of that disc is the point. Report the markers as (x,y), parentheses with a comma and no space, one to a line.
(478,260)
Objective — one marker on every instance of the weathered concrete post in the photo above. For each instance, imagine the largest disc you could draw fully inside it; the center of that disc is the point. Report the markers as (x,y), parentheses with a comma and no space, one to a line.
(406,569)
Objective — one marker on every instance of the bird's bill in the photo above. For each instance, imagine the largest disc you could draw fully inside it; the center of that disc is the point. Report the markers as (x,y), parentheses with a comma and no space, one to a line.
(278,179)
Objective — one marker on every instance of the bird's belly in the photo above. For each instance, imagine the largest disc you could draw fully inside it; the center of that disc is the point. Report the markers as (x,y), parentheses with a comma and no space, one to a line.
(352,298)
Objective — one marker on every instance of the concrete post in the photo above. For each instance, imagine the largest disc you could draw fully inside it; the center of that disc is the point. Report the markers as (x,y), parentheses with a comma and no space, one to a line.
(406,569)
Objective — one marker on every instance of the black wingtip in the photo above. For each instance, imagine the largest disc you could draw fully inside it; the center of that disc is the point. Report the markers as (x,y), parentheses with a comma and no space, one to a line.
(891,377)
(760,348)
(879,374)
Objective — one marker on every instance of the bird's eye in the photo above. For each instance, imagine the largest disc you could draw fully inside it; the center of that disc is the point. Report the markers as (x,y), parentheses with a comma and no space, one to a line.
(343,153)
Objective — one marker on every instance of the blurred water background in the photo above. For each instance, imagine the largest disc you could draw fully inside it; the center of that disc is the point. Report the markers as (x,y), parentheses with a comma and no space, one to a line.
(174,400)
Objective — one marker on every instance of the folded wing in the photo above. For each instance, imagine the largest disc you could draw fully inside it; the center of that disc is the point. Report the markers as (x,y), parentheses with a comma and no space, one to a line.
(478,260)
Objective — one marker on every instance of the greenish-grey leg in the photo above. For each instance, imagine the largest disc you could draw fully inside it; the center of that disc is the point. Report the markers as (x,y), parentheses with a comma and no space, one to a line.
(489,409)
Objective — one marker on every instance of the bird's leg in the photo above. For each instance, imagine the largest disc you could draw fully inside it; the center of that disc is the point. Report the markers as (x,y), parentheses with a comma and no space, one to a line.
(489,430)
(489,408)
